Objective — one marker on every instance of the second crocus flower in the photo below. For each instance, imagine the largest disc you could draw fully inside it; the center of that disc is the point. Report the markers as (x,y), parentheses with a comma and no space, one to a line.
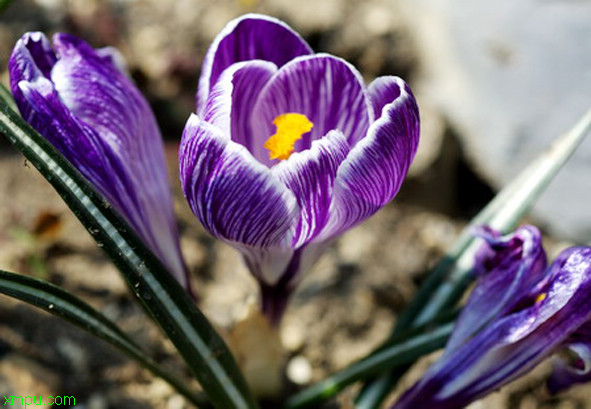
(289,149)
(82,101)
(518,315)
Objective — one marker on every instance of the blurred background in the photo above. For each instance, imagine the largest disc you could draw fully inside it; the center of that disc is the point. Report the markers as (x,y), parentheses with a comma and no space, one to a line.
(495,84)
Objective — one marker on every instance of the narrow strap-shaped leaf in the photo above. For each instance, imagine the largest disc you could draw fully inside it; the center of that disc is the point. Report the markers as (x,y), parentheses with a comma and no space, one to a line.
(392,357)
(59,302)
(404,349)
(448,281)
(162,297)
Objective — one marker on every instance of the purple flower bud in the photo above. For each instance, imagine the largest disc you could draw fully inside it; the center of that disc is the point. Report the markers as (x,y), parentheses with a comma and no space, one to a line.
(80,100)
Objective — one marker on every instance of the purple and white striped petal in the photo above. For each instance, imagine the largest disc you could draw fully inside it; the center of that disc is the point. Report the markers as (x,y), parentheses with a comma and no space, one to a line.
(514,265)
(113,57)
(381,92)
(310,175)
(374,169)
(250,37)
(236,198)
(229,105)
(326,89)
(31,58)
(513,344)
(93,114)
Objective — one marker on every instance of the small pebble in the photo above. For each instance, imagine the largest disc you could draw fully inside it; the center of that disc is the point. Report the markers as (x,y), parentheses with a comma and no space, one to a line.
(176,402)
(299,370)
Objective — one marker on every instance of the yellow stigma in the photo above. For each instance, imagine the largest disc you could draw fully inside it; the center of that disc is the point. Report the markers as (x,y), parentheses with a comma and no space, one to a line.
(290,128)
(541,297)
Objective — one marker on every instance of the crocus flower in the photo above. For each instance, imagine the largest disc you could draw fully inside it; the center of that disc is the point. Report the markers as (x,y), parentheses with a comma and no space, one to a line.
(81,100)
(289,149)
(507,330)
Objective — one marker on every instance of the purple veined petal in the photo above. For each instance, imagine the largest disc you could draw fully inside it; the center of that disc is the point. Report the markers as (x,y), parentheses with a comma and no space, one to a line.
(489,256)
(32,57)
(574,371)
(110,103)
(512,345)
(113,56)
(515,264)
(78,142)
(250,37)
(374,169)
(310,175)
(229,105)
(327,90)
(381,92)
(98,120)
(236,198)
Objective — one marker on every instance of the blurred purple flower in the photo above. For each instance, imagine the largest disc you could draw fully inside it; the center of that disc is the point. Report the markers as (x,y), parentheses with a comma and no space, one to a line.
(518,314)
(573,366)
(83,103)
(339,153)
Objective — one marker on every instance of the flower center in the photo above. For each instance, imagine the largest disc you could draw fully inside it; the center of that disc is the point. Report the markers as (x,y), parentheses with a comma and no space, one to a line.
(290,128)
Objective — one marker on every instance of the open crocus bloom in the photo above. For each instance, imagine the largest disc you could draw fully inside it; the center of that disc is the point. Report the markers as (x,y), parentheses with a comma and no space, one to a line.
(83,103)
(506,330)
(289,149)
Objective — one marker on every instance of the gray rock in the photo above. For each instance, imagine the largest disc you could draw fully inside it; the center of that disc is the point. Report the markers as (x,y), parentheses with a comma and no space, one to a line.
(511,76)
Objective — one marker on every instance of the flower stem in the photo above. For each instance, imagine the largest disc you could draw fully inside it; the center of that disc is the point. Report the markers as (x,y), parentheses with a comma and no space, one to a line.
(274,301)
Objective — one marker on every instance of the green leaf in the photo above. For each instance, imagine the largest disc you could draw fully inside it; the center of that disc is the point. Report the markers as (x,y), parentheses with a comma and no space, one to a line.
(162,297)
(405,351)
(448,281)
(400,351)
(59,302)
